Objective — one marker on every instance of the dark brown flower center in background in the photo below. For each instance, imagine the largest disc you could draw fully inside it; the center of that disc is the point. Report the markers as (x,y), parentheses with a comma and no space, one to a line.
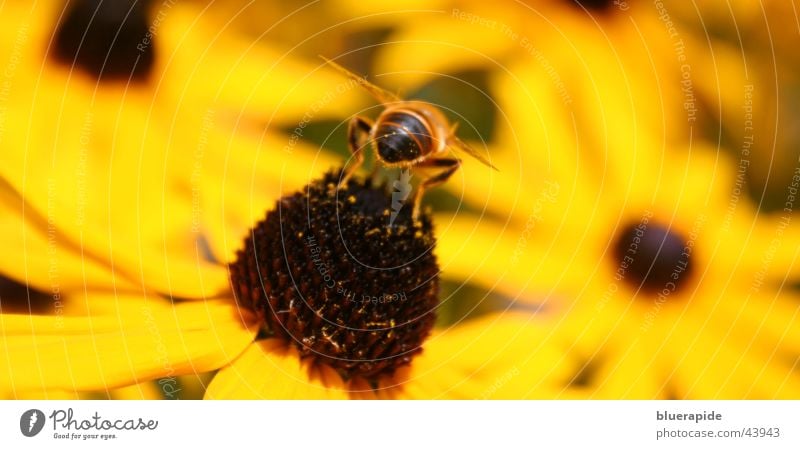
(651,257)
(331,272)
(106,39)
(595,5)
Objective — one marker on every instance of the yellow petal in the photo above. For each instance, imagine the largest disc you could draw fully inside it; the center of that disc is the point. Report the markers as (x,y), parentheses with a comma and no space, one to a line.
(504,356)
(144,390)
(272,369)
(629,371)
(43,395)
(43,258)
(763,320)
(102,187)
(242,176)
(496,357)
(428,36)
(124,340)
(770,251)
(709,365)
(392,9)
(207,65)
(510,260)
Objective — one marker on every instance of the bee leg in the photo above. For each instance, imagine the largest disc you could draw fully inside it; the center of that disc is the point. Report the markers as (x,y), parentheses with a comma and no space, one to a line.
(357,132)
(448,166)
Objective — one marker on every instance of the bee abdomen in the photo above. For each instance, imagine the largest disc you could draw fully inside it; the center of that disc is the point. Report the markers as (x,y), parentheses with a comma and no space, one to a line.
(402,137)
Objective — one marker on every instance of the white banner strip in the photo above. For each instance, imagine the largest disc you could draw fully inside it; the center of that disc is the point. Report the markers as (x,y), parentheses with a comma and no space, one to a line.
(112,424)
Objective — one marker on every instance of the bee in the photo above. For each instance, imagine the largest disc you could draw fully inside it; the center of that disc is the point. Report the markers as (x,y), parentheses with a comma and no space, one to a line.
(406,134)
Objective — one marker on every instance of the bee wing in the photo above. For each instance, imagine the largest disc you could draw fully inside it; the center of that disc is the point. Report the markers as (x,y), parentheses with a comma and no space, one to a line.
(382,95)
(458,144)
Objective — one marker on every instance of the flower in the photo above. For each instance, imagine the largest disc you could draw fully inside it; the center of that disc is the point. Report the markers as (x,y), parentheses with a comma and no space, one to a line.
(650,261)
(349,296)
(315,342)
(107,341)
(78,127)
(756,101)
(614,62)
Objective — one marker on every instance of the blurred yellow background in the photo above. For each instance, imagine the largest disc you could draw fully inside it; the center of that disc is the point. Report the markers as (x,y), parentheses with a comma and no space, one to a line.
(146,138)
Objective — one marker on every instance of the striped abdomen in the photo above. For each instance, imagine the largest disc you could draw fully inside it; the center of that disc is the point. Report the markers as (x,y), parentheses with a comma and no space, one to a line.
(402,136)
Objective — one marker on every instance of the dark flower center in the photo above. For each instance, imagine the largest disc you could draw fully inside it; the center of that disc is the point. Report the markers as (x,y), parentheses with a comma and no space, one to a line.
(106,39)
(651,257)
(329,272)
(594,5)
(16,297)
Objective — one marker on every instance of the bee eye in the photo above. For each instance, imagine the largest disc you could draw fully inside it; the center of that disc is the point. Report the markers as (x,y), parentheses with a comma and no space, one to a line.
(397,147)
(108,40)
(402,137)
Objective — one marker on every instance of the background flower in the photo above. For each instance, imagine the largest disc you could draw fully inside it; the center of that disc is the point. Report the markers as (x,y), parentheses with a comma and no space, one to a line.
(140,140)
